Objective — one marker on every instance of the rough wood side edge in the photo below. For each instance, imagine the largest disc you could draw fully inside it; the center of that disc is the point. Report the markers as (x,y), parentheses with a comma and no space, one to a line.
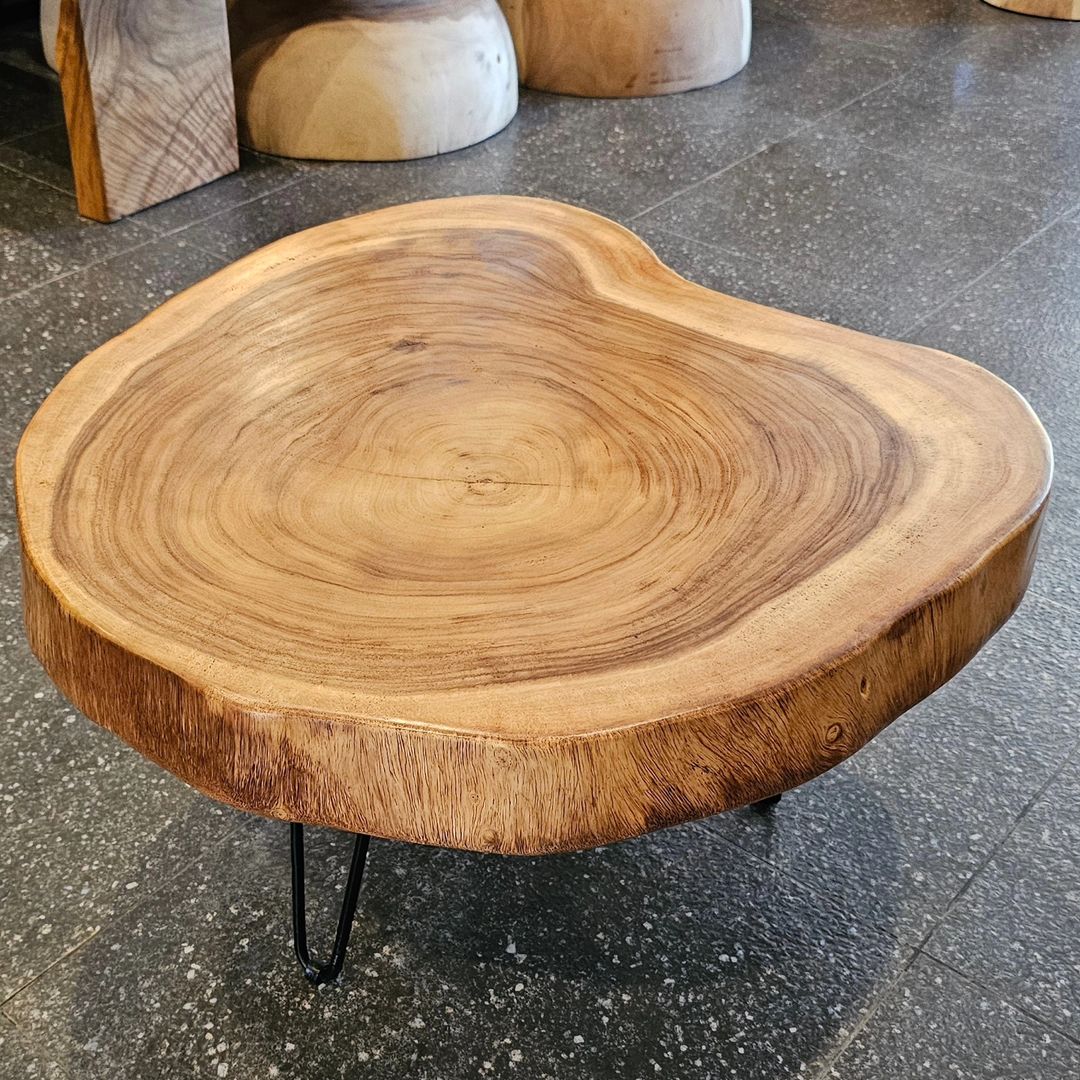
(552,794)
(73,66)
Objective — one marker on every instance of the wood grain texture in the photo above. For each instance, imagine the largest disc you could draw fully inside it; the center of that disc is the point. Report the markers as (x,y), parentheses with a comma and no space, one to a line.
(49,23)
(1046,9)
(147,97)
(611,48)
(371,80)
(470,523)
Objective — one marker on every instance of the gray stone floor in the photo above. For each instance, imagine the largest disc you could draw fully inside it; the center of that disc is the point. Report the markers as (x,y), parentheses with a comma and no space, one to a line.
(909,167)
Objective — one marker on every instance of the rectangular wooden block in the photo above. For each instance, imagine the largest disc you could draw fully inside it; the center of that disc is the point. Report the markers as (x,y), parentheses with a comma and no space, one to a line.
(148,97)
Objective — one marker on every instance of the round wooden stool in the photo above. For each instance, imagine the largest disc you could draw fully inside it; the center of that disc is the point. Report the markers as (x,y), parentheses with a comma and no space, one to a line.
(611,48)
(370,80)
(469,523)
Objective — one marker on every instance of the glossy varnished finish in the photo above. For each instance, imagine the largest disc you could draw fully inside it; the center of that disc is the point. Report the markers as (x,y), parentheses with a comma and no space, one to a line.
(610,48)
(1046,9)
(148,98)
(470,523)
(373,80)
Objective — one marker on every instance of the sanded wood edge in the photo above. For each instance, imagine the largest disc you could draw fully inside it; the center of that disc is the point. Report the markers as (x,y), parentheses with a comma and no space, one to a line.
(535,795)
(74,68)
(1042,9)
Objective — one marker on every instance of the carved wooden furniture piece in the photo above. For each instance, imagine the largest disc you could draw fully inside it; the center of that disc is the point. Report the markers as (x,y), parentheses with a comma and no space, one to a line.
(1047,9)
(148,98)
(469,523)
(611,48)
(149,88)
(370,80)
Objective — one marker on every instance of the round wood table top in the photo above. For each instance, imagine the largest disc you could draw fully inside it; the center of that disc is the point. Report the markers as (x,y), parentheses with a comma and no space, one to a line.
(470,523)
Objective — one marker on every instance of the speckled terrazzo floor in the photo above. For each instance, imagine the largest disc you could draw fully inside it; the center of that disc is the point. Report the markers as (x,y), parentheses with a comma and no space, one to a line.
(911,168)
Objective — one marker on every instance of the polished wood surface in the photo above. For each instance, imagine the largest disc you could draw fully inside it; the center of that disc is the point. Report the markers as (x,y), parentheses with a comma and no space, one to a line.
(611,48)
(470,523)
(1047,9)
(371,80)
(147,97)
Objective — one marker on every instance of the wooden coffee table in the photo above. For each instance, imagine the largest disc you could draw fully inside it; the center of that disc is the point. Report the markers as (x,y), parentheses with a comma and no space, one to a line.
(469,523)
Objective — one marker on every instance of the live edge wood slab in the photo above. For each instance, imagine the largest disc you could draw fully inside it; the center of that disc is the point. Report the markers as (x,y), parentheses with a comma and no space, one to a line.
(148,98)
(470,523)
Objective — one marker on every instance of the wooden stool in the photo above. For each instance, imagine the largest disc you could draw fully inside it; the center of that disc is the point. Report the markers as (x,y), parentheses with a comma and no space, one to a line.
(611,48)
(148,98)
(469,523)
(370,80)
(1046,9)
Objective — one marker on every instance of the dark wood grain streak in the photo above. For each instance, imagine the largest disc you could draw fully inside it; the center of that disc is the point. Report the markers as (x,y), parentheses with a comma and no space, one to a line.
(470,523)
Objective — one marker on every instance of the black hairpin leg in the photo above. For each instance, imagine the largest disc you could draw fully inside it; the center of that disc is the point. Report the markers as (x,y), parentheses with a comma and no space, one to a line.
(324,973)
(765,804)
